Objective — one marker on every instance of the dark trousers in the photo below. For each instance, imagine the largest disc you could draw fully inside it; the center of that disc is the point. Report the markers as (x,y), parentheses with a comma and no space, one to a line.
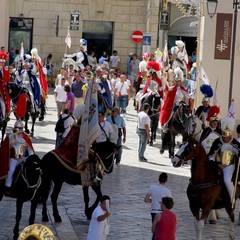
(153,216)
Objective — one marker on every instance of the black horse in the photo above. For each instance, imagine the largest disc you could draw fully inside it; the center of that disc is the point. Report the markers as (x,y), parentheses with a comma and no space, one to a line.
(56,170)
(26,187)
(154,100)
(176,125)
(15,92)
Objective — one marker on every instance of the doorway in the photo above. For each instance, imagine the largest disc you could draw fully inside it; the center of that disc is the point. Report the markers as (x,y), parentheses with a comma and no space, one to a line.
(99,36)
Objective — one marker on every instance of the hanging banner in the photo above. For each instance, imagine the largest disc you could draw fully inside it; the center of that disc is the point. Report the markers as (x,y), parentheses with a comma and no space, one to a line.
(74,21)
(223,38)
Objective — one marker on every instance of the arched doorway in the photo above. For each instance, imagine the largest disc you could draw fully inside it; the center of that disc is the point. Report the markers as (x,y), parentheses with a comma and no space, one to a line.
(186,29)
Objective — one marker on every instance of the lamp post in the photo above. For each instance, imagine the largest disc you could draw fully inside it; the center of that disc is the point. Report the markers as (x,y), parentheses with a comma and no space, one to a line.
(211,8)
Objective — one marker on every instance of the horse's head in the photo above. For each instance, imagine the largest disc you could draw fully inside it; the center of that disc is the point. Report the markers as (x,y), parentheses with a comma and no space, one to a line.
(185,153)
(193,127)
(32,170)
(14,90)
(156,101)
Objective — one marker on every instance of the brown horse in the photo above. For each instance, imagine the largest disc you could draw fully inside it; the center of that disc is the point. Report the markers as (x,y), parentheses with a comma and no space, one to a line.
(204,190)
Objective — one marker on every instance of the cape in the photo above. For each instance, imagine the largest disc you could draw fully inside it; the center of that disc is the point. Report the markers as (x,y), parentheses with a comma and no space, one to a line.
(168,105)
(4,79)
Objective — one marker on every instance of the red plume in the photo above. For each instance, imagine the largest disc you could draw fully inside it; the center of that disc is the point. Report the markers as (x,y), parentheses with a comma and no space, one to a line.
(213,112)
(153,65)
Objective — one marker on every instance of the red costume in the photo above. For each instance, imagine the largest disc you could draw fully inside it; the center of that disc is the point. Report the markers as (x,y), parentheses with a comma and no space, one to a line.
(168,104)
(4,79)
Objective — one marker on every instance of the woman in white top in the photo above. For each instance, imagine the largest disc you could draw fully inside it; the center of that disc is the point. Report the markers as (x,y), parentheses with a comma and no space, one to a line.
(121,92)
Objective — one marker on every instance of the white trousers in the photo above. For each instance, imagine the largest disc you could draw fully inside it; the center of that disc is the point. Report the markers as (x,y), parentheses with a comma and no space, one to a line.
(11,169)
(227,176)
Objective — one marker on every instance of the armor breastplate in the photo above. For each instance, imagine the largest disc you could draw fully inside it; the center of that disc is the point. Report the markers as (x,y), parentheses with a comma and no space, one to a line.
(227,155)
(20,148)
(226,158)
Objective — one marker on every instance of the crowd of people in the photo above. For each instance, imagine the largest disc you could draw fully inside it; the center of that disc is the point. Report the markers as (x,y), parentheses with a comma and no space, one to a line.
(167,75)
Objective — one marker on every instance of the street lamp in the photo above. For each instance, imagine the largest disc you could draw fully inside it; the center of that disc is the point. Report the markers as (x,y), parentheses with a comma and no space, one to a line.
(212,7)
(211,13)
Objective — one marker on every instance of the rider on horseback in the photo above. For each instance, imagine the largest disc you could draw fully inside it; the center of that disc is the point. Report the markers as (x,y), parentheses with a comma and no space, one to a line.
(175,94)
(28,79)
(20,147)
(4,97)
(225,151)
(213,131)
(81,56)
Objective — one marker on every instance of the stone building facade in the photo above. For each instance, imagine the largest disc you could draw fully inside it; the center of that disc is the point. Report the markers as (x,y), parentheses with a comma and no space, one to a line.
(51,19)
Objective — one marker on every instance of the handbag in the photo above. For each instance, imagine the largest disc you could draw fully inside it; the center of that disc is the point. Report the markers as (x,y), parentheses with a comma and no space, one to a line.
(118,94)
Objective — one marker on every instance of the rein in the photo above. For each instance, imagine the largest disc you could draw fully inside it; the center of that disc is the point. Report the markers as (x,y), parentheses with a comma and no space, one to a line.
(201,185)
(25,178)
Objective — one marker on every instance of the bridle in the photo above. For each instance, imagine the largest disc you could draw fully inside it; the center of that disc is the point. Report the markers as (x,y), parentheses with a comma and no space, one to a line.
(26,180)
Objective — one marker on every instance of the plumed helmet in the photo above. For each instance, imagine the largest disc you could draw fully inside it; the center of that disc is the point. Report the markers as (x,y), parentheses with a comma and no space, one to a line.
(178,74)
(18,124)
(153,66)
(179,43)
(206,99)
(146,56)
(27,58)
(3,56)
(213,113)
(34,53)
(143,66)
(83,42)
(227,126)
(174,50)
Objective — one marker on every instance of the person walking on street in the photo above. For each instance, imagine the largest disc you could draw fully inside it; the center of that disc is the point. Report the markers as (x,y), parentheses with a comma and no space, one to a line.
(99,225)
(118,120)
(60,96)
(165,224)
(156,193)
(143,131)
(76,89)
(70,98)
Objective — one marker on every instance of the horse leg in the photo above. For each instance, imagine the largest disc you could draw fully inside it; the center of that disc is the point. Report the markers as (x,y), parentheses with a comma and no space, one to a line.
(34,117)
(212,217)
(199,224)
(34,204)
(19,205)
(86,201)
(231,230)
(26,123)
(54,197)
(171,146)
(46,184)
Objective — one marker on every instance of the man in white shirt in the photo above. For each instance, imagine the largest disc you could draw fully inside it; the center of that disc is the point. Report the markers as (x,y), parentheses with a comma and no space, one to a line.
(143,131)
(60,96)
(155,194)
(99,225)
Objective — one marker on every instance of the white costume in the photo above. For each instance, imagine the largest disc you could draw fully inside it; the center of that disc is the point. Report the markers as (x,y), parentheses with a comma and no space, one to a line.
(21,150)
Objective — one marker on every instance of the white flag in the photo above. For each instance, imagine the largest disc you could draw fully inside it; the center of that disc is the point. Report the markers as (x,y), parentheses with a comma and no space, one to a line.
(89,130)
(165,53)
(231,111)
(185,55)
(68,40)
(21,54)
(203,76)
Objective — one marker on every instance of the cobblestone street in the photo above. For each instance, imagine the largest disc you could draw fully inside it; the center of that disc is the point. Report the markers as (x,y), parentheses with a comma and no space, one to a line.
(126,185)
